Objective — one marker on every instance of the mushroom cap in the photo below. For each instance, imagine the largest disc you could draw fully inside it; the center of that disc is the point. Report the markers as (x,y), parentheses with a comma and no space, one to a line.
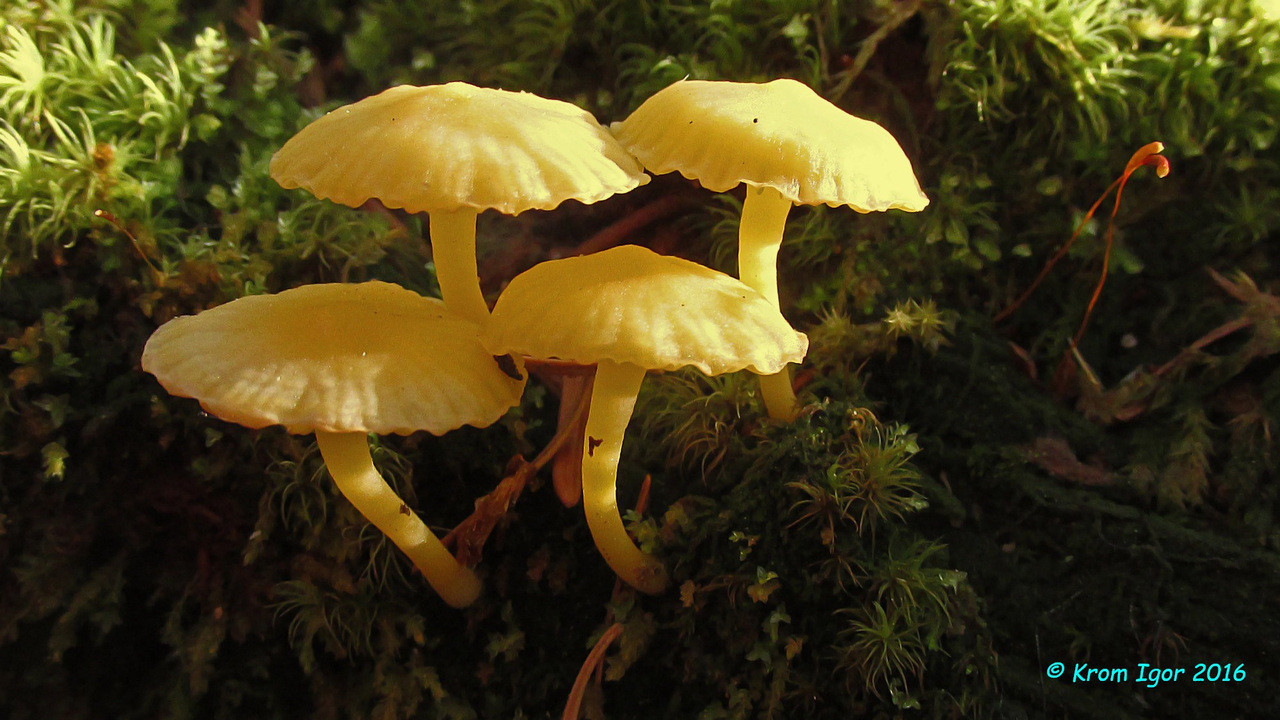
(368,357)
(445,147)
(630,304)
(779,134)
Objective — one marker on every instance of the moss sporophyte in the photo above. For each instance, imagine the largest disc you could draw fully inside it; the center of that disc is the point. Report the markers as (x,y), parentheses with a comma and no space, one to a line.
(1147,155)
(138,532)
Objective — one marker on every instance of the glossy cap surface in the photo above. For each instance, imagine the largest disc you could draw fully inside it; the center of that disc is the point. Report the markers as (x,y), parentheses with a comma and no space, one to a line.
(629,304)
(445,147)
(779,134)
(368,357)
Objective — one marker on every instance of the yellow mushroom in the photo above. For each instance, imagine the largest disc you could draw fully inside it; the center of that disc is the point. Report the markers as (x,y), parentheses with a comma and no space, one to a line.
(789,146)
(452,151)
(343,361)
(629,310)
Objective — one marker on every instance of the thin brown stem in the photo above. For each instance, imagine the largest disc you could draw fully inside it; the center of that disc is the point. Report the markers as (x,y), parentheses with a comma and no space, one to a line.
(617,232)
(103,214)
(1062,252)
(563,434)
(868,48)
(1212,336)
(573,708)
(595,666)
(469,537)
(566,466)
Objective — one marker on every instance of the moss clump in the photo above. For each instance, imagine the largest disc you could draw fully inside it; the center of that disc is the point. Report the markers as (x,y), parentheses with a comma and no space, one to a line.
(151,567)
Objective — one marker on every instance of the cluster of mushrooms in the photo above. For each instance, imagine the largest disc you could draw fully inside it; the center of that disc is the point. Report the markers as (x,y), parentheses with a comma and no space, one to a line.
(345,360)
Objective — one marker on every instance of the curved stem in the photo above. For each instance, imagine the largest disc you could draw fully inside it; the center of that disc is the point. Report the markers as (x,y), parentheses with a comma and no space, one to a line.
(347,457)
(453,248)
(573,708)
(612,400)
(764,217)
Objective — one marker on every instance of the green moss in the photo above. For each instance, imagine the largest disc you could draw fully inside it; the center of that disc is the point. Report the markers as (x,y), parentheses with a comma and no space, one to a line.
(875,559)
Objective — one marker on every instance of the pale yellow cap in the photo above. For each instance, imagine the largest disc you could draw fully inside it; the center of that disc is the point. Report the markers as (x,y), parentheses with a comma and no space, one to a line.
(629,304)
(368,357)
(779,134)
(445,147)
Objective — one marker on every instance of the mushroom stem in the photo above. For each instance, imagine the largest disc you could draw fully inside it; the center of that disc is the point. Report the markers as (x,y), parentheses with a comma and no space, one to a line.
(612,399)
(347,457)
(778,396)
(453,248)
(764,217)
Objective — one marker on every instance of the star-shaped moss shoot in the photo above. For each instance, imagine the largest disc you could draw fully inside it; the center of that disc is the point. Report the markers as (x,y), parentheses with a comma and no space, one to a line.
(789,146)
(629,310)
(343,361)
(452,151)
